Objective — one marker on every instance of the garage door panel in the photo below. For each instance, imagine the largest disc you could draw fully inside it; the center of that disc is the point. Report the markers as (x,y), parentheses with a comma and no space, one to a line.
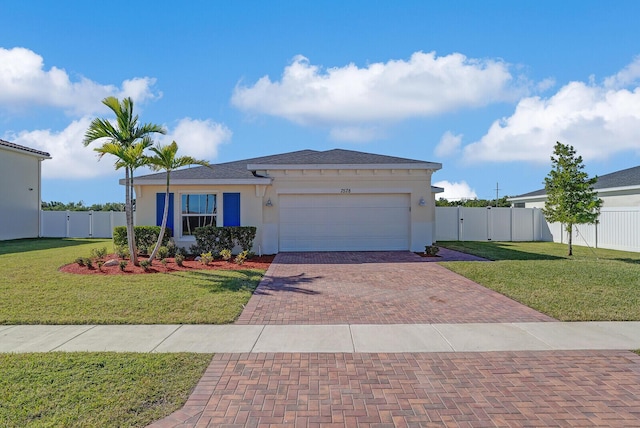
(344,222)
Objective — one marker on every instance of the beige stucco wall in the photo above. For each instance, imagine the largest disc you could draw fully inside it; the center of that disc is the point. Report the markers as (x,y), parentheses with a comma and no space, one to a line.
(254,212)
(19,206)
(250,207)
(416,183)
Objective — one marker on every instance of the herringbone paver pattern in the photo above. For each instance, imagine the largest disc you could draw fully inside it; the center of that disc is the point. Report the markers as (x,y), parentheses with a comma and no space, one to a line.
(509,389)
(373,288)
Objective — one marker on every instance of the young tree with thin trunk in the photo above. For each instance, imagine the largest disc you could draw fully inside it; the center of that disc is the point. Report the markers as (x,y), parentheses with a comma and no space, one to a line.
(570,195)
(165,160)
(119,141)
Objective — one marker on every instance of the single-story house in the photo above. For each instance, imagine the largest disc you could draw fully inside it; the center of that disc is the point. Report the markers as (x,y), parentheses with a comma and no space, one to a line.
(617,189)
(308,200)
(20,194)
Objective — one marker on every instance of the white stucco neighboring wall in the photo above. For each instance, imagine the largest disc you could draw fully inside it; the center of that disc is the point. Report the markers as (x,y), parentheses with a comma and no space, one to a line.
(19,194)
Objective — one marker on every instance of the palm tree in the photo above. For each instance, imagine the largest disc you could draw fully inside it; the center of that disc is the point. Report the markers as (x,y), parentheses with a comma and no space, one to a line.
(165,159)
(119,142)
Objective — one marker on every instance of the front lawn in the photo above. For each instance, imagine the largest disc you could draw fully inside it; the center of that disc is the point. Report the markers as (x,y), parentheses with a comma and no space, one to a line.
(95,389)
(35,292)
(593,285)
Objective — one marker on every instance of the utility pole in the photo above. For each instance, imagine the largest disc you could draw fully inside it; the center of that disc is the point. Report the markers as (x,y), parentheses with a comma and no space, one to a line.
(497,190)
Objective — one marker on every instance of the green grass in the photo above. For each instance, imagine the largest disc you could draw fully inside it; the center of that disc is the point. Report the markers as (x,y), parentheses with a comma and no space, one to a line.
(94,389)
(593,285)
(34,291)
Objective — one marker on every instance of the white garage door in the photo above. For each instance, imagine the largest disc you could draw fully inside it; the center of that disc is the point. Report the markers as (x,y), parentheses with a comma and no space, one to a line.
(351,222)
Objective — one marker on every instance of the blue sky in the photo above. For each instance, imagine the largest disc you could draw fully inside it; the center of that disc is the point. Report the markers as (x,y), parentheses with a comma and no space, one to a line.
(486,88)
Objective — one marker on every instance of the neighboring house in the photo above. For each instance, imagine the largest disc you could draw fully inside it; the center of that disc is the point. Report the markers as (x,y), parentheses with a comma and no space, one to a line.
(301,201)
(20,195)
(618,189)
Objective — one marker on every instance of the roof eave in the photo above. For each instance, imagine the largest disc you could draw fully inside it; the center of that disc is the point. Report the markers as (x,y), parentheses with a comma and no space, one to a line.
(432,166)
(40,155)
(199,181)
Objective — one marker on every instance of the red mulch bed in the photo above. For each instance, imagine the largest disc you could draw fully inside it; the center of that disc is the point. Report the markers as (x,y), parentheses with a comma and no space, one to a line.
(157,267)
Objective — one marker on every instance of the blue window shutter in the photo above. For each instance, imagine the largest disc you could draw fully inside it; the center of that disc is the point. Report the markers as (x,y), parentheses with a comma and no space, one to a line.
(160,210)
(231,207)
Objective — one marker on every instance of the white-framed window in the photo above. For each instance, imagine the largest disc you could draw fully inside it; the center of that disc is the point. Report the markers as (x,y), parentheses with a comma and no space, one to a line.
(197,210)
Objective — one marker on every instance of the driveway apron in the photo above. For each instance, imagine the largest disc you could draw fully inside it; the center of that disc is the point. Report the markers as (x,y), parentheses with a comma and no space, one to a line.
(465,389)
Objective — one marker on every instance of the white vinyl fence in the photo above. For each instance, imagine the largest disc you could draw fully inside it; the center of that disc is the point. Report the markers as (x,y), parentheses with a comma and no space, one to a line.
(80,224)
(617,228)
(491,224)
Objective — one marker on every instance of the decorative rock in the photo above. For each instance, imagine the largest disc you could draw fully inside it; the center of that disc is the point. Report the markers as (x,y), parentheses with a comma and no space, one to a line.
(112,262)
(198,258)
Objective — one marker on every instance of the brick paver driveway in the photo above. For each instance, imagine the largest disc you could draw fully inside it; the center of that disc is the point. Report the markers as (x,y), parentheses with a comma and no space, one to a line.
(373,288)
(510,389)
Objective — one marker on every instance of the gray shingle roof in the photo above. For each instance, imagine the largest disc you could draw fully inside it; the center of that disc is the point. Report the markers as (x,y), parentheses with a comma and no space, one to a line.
(623,178)
(24,149)
(238,169)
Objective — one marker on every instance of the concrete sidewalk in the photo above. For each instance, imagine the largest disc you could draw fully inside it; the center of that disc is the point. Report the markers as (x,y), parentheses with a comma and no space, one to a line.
(342,338)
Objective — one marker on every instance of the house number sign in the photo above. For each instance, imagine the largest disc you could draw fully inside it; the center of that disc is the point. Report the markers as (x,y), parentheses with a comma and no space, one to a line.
(345,190)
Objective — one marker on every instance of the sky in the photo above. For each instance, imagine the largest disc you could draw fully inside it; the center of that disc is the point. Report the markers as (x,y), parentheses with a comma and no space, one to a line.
(484,87)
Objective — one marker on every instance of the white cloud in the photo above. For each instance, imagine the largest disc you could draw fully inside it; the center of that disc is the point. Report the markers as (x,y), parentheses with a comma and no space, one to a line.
(198,138)
(24,82)
(455,191)
(449,145)
(625,77)
(71,160)
(339,97)
(597,120)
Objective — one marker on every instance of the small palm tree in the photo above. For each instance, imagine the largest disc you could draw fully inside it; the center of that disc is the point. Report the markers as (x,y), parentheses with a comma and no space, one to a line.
(119,141)
(165,160)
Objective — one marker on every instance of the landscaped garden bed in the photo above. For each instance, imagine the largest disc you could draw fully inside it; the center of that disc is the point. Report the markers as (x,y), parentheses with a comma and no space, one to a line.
(166,265)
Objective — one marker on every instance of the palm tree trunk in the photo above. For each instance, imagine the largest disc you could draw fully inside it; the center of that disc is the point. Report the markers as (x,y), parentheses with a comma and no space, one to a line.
(128,208)
(163,226)
(570,230)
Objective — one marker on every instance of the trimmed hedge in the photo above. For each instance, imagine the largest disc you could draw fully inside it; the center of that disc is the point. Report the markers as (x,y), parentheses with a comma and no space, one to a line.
(145,236)
(215,239)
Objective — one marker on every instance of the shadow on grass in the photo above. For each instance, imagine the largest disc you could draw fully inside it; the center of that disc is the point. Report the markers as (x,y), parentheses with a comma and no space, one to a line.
(216,281)
(36,244)
(628,260)
(497,250)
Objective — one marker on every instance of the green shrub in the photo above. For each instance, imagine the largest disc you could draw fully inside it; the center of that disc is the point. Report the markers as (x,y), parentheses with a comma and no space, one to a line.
(225,254)
(163,253)
(145,236)
(98,253)
(216,239)
(99,263)
(240,258)
(206,258)
(122,251)
(122,265)
(172,248)
(88,263)
(179,259)
(146,265)
(80,261)
(244,236)
(142,249)
(431,250)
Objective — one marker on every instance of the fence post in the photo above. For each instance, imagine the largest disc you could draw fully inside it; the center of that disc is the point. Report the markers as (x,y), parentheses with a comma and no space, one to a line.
(460,224)
(91,224)
(66,235)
